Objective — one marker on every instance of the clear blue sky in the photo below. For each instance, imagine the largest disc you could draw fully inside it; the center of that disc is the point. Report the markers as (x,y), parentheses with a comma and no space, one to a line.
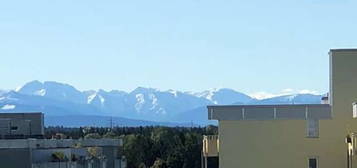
(193,45)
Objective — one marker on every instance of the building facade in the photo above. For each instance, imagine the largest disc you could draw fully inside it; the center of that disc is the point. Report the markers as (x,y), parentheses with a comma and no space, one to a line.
(61,153)
(22,145)
(21,125)
(295,136)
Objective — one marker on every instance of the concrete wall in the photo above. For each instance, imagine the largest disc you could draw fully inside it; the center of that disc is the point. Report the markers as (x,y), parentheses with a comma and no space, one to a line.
(39,151)
(343,88)
(283,143)
(278,144)
(26,123)
(45,155)
(270,112)
(86,164)
(58,143)
(43,158)
(15,158)
(111,155)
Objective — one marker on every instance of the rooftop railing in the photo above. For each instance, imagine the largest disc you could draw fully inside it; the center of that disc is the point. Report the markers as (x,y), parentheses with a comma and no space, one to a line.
(270,112)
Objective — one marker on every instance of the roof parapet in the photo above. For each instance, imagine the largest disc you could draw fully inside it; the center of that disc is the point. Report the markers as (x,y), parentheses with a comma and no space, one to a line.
(270,112)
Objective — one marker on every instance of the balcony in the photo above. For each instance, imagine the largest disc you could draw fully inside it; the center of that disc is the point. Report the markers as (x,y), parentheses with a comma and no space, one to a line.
(210,146)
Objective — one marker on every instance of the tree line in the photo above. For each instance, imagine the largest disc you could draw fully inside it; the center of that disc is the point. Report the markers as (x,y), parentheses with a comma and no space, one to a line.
(151,146)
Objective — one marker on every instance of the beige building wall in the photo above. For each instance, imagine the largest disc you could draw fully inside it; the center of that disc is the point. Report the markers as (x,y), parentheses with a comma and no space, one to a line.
(283,143)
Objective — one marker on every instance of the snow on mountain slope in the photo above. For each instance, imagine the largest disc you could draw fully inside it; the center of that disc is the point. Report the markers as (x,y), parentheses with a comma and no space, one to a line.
(53,90)
(224,96)
(34,103)
(292,99)
(56,99)
(162,105)
(8,107)
(113,103)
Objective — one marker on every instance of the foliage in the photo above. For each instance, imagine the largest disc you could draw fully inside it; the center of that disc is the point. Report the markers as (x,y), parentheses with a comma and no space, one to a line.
(58,157)
(60,136)
(110,135)
(159,163)
(150,147)
(142,165)
(77,145)
(94,152)
(92,136)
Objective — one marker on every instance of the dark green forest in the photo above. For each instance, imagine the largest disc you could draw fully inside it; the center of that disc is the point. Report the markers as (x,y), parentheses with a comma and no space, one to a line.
(149,147)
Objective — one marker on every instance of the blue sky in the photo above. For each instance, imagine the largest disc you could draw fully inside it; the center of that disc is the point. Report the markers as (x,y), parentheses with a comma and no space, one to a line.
(251,46)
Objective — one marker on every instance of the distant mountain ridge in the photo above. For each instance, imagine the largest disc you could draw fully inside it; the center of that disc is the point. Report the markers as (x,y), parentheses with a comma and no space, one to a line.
(58,99)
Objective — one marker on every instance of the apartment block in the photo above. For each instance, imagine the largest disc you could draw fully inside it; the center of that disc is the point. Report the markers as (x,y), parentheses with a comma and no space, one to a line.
(297,135)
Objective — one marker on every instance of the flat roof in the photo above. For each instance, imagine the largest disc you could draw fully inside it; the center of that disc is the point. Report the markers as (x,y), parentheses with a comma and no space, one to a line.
(343,49)
(57,143)
(270,112)
(21,113)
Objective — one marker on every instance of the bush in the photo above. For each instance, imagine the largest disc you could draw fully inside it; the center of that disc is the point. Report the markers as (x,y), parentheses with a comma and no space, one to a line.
(159,163)
(58,157)
(92,136)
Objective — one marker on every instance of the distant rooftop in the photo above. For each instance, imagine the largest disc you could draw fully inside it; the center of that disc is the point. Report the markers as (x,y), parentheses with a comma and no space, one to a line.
(343,50)
(270,112)
(58,143)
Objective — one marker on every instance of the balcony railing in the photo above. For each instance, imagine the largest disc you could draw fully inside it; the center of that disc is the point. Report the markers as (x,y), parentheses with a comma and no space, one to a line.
(210,146)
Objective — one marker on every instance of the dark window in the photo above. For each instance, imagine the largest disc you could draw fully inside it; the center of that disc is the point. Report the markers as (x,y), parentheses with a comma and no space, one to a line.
(13,128)
(312,163)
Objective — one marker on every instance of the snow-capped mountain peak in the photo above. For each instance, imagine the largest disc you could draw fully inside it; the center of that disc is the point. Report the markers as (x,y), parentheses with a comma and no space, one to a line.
(208,94)
(41,92)
(53,90)
(30,87)
(8,107)
(142,103)
(224,96)
(173,92)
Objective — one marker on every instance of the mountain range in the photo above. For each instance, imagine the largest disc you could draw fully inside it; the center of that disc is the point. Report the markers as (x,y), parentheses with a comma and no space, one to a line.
(63,103)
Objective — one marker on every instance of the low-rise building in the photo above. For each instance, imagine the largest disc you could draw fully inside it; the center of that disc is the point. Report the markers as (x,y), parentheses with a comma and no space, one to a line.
(18,148)
(21,125)
(48,153)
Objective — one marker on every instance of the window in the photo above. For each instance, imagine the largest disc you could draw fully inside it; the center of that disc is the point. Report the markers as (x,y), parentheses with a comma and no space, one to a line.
(312,128)
(313,163)
(14,128)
